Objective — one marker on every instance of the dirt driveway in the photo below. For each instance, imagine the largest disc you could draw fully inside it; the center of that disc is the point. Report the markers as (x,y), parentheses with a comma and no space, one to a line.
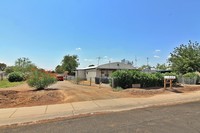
(61,92)
(66,92)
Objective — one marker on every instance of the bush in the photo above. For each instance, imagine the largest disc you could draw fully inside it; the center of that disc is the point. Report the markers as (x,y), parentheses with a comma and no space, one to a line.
(16,77)
(40,80)
(126,78)
(122,79)
(189,78)
(190,75)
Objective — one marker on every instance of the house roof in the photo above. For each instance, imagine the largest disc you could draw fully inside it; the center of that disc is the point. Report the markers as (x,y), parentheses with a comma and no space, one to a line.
(113,66)
(86,68)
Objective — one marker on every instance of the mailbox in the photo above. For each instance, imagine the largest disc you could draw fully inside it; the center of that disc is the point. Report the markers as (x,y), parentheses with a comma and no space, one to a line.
(169,77)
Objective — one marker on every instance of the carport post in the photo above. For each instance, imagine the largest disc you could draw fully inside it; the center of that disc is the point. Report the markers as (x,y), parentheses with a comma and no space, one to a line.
(165,82)
(171,83)
(100,82)
(90,81)
(113,83)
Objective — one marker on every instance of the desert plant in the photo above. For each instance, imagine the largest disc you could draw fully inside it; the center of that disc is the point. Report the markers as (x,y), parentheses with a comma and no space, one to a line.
(40,79)
(16,77)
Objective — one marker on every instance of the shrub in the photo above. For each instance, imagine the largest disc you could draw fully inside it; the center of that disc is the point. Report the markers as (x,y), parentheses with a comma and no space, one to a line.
(190,78)
(122,78)
(190,75)
(16,77)
(125,78)
(40,80)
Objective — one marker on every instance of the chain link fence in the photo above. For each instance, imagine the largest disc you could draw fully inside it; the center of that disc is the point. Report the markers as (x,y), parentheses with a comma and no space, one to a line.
(92,81)
(187,80)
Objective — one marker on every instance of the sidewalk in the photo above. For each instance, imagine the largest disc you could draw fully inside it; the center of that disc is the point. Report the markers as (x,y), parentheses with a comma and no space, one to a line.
(22,115)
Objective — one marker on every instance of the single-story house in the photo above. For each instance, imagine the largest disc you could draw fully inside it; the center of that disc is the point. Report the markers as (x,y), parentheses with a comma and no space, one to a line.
(104,70)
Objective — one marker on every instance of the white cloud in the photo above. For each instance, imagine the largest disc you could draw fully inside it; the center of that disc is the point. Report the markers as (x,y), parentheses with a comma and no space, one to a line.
(157,50)
(88,60)
(156,56)
(78,49)
(105,57)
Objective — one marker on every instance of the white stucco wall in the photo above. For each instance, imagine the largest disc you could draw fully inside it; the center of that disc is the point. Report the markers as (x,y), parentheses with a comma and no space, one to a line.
(81,74)
(91,74)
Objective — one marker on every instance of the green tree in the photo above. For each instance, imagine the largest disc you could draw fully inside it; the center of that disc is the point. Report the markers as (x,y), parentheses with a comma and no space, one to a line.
(24,65)
(59,69)
(186,58)
(2,66)
(70,63)
(161,66)
(23,62)
(9,69)
(144,67)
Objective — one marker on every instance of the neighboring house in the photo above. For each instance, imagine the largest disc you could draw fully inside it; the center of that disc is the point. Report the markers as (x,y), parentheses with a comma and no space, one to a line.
(153,70)
(149,70)
(104,70)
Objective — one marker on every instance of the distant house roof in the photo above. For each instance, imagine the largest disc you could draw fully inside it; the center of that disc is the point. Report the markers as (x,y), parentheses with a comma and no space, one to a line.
(164,71)
(112,66)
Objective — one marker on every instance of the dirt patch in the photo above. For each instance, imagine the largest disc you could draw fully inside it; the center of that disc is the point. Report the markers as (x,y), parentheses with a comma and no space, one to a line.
(66,92)
(148,92)
(188,88)
(12,98)
(138,92)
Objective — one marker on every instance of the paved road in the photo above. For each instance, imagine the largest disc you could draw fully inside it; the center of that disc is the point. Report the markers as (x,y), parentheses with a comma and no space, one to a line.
(183,118)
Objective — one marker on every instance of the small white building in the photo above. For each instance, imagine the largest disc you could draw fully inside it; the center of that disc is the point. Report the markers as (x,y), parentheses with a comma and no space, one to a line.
(104,70)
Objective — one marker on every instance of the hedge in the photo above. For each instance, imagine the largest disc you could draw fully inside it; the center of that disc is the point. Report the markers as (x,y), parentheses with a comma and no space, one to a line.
(125,78)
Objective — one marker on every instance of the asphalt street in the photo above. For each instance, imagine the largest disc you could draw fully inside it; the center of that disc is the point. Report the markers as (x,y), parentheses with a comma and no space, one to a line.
(184,118)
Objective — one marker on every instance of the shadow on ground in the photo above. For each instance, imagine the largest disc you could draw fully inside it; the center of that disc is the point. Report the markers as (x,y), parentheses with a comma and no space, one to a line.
(47,89)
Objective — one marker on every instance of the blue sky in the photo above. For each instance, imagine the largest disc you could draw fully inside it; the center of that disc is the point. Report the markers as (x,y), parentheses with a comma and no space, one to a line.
(46,30)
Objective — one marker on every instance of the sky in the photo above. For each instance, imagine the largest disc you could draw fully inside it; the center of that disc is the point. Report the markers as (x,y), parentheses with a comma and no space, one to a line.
(46,30)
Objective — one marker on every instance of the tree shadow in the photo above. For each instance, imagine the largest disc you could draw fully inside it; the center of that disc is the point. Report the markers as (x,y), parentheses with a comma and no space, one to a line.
(151,88)
(175,90)
(47,89)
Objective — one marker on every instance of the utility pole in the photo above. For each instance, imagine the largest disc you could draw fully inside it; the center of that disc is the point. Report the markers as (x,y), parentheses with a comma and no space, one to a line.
(147,61)
(98,58)
(136,61)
